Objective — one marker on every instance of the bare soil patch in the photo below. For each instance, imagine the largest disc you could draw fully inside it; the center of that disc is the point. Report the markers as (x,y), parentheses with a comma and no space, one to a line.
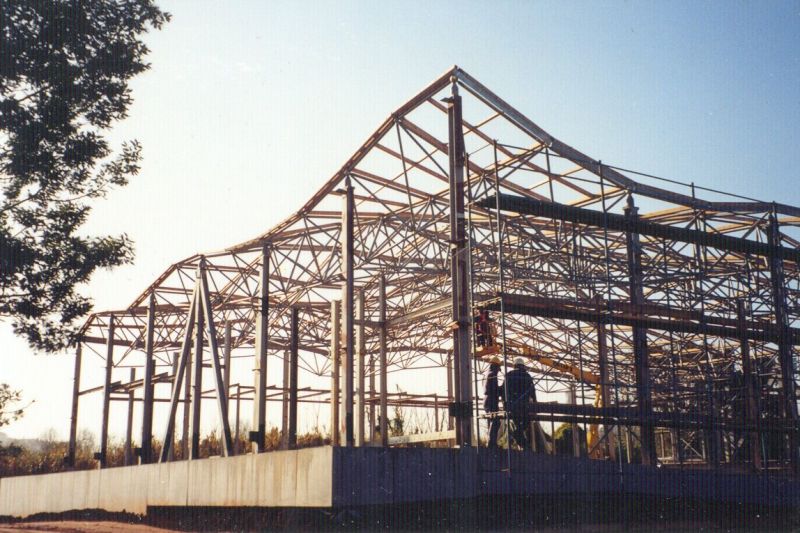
(79,526)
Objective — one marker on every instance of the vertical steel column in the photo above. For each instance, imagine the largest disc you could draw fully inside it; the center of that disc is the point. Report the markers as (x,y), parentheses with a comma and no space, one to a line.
(458,273)
(76,393)
(173,385)
(107,393)
(238,438)
(751,405)
(262,341)
(226,376)
(226,357)
(187,397)
(640,349)
(361,348)
(779,304)
(197,391)
(602,355)
(219,384)
(371,417)
(450,397)
(181,369)
(384,411)
(714,435)
(436,426)
(147,384)
(129,457)
(294,338)
(336,361)
(284,444)
(348,309)
(576,438)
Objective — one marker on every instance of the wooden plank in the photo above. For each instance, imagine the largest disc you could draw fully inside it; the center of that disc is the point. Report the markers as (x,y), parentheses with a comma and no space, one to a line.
(422,437)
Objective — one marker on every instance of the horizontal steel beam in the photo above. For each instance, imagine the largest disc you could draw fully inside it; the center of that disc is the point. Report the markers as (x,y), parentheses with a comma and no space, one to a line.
(630,416)
(616,222)
(429,309)
(534,306)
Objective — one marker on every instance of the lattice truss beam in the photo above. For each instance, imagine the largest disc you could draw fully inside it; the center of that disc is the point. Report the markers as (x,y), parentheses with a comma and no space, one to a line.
(400,179)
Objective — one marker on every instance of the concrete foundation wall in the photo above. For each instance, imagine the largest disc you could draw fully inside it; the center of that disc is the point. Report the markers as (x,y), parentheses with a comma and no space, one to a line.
(349,477)
(368,476)
(299,478)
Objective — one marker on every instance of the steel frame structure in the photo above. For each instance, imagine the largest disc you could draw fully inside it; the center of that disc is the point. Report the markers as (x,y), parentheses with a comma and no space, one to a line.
(685,307)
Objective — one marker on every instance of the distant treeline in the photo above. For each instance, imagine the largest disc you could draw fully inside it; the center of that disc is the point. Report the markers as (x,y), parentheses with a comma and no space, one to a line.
(50,454)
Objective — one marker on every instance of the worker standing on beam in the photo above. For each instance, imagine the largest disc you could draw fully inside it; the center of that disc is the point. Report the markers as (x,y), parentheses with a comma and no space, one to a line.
(491,399)
(519,393)
(483,329)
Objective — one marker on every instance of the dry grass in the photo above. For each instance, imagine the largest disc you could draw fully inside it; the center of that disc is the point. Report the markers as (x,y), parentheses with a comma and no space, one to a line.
(20,461)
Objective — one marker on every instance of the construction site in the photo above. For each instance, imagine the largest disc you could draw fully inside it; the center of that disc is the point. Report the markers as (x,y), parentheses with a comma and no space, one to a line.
(657,319)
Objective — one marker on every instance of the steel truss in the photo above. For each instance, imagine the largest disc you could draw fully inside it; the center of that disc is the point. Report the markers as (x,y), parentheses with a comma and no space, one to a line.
(684,307)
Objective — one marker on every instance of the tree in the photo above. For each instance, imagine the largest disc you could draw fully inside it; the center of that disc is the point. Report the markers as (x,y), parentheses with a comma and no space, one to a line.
(8,398)
(64,72)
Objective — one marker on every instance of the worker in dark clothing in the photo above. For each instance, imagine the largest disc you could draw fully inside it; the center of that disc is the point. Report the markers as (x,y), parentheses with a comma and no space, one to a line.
(483,329)
(519,391)
(491,399)
(480,340)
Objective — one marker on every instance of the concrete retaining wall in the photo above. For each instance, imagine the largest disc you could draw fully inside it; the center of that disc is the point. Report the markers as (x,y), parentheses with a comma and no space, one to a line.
(368,476)
(350,477)
(299,478)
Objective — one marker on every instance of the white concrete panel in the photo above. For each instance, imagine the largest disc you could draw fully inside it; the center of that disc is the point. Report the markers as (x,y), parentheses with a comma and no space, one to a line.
(221,482)
(124,489)
(167,484)
(26,495)
(314,477)
(276,479)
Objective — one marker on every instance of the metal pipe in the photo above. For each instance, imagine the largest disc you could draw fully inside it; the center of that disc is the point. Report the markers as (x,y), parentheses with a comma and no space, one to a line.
(149,368)
(348,309)
(361,348)
(197,385)
(294,337)
(336,430)
(219,385)
(181,370)
(226,355)
(107,393)
(284,444)
(73,421)
(172,386)
(384,413)
(262,342)
(129,457)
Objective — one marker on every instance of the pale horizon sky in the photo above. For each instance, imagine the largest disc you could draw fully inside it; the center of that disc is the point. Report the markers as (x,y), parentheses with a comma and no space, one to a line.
(251,106)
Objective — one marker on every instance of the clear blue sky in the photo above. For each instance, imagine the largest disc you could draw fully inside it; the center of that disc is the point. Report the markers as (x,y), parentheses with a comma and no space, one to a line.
(250,106)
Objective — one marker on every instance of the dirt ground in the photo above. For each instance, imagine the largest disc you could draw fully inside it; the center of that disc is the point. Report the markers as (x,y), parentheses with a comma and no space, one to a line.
(78,526)
(85,526)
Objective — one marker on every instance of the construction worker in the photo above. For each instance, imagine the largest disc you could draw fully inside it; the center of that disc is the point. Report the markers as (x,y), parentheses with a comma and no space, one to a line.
(491,399)
(519,392)
(483,328)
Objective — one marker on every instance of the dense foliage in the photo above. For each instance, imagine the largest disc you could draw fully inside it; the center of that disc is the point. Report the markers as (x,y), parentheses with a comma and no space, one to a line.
(64,72)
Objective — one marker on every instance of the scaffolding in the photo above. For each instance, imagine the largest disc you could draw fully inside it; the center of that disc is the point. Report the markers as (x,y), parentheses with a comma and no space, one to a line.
(680,301)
